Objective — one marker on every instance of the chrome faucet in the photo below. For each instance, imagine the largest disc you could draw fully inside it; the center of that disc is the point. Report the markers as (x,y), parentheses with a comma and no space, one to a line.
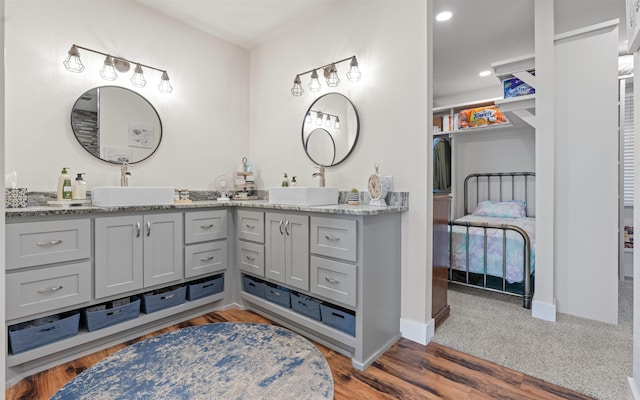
(124,174)
(320,173)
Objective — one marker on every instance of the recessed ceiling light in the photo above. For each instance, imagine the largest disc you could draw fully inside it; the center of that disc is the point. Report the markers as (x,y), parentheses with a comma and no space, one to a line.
(484,73)
(444,16)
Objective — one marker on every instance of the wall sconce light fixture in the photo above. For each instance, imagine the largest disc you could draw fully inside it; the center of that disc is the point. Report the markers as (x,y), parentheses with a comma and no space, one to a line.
(330,74)
(323,118)
(113,64)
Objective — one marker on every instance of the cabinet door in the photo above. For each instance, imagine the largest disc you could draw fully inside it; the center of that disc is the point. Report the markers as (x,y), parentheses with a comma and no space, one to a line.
(297,251)
(118,255)
(162,248)
(275,255)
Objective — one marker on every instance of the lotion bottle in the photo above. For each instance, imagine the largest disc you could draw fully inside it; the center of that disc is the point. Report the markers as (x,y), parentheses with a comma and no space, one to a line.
(285,180)
(79,188)
(64,191)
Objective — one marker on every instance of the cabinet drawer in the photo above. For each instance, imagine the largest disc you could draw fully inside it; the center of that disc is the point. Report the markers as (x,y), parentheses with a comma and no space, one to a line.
(46,289)
(250,226)
(334,280)
(37,243)
(251,257)
(202,226)
(334,237)
(203,258)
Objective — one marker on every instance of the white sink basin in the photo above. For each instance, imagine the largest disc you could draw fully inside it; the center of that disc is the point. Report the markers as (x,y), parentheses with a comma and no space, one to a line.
(116,196)
(304,196)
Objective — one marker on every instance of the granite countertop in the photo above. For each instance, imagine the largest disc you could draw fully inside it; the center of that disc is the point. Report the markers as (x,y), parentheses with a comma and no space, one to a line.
(264,204)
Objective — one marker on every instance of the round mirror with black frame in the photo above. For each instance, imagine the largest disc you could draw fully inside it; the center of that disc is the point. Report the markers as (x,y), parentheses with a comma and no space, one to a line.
(330,129)
(116,125)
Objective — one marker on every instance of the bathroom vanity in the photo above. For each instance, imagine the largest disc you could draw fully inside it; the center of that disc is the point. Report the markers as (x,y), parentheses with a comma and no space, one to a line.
(67,259)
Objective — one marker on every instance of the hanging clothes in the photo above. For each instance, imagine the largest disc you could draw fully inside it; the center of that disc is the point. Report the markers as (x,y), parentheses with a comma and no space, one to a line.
(441,164)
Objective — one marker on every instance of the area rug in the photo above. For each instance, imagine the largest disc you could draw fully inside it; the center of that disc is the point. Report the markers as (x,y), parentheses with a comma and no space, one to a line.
(215,361)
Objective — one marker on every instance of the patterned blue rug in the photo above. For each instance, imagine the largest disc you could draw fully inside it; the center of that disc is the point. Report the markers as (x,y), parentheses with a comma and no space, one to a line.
(215,361)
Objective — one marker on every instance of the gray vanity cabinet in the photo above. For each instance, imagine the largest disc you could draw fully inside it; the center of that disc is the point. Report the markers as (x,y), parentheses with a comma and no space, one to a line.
(205,234)
(287,249)
(138,251)
(48,266)
(250,243)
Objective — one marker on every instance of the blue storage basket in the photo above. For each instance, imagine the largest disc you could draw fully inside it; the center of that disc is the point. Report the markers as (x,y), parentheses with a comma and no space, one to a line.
(205,287)
(99,319)
(278,295)
(152,302)
(253,286)
(338,318)
(306,305)
(31,334)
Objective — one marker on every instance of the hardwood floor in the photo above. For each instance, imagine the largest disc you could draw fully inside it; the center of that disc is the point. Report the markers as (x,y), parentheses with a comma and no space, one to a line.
(406,371)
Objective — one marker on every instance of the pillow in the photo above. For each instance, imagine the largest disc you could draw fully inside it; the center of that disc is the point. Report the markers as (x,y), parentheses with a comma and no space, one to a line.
(503,209)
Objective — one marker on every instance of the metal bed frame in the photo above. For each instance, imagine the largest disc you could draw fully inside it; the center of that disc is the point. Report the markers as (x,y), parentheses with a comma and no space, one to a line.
(498,176)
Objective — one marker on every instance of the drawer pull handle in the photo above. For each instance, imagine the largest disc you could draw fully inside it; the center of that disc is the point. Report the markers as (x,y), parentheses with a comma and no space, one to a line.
(252,258)
(206,226)
(273,292)
(51,289)
(331,280)
(148,228)
(49,243)
(331,237)
(207,258)
(250,226)
(137,229)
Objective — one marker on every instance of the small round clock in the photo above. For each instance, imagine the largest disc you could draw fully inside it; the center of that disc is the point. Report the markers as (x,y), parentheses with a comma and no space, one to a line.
(379,186)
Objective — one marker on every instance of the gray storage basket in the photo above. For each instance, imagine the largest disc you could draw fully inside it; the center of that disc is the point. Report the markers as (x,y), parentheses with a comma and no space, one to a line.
(31,334)
(278,295)
(205,287)
(99,319)
(159,300)
(253,286)
(339,318)
(305,305)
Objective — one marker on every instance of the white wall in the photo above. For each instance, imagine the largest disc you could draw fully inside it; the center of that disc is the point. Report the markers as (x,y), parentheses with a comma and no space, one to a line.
(390,41)
(205,119)
(586,186)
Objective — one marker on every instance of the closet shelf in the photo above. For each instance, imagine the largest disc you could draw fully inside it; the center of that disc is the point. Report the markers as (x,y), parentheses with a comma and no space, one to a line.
(521,68)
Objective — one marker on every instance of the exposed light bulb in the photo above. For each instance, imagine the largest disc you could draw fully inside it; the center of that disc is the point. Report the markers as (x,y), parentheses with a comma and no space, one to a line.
(354,73)
(297,89)
(73,63)
(165,86)
(138,77)
(315,85)
(108,72)
(337,123)
(331,73)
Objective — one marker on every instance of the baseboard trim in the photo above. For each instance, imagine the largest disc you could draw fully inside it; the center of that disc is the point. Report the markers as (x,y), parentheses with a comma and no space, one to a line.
(544,311)
(633,388)
(417,331)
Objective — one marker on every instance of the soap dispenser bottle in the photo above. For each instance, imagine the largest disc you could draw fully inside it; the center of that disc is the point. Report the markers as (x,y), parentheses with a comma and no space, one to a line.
(79,188)
(64,191)
(285,180)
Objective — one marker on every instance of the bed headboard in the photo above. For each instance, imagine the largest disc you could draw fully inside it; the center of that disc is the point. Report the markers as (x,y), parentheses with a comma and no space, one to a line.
(500,186)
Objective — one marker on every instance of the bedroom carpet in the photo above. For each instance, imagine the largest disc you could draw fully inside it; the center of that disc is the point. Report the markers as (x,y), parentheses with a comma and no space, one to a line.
(586,356)
(215,361)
